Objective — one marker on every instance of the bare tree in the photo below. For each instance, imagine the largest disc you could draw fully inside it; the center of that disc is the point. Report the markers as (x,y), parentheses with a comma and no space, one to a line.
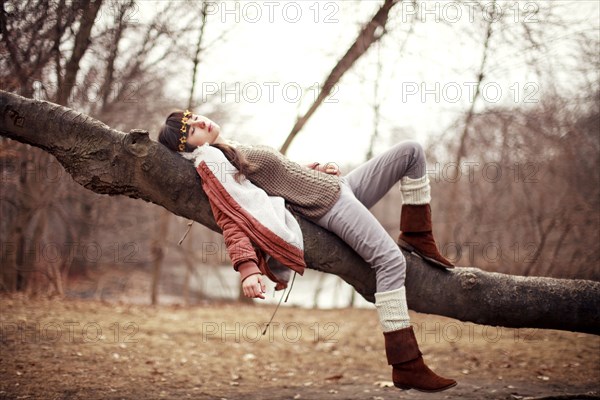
(369,34)
(531,174)
(47,44)
(32,34)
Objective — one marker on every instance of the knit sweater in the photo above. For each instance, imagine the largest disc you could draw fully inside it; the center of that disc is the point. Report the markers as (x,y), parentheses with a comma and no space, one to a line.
(308,192)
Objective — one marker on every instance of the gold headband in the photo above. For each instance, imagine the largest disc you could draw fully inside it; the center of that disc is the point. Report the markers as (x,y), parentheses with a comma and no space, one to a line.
(183,130)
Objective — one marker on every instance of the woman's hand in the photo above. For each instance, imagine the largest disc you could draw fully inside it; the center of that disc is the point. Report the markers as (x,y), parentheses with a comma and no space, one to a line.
(329,168)
(253,286)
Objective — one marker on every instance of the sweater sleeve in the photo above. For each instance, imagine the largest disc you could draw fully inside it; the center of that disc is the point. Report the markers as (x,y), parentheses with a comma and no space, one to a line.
(239,246)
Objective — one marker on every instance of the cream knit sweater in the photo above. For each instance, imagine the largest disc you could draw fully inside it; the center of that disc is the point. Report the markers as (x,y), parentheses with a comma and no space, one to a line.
(308,192)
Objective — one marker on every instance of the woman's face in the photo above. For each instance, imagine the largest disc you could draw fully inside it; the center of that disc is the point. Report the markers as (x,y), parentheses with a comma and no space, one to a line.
(202,130)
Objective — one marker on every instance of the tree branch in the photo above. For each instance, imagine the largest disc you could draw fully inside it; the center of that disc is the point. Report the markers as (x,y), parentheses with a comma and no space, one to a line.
(107,161)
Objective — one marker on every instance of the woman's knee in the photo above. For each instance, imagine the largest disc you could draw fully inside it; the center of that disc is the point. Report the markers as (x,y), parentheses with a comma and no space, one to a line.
(417,160)
(413,146)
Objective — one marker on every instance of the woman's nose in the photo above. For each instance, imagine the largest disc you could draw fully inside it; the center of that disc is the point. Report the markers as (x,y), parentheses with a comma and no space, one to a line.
(202,124)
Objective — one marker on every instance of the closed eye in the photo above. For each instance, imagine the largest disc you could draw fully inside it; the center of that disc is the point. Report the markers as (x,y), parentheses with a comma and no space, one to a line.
(193,130)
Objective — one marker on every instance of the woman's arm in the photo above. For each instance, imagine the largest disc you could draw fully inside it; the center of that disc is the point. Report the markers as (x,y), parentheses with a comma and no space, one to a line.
(239,247)
(242,254)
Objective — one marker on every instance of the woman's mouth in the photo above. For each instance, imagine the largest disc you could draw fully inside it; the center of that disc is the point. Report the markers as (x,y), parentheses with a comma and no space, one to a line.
(209,128)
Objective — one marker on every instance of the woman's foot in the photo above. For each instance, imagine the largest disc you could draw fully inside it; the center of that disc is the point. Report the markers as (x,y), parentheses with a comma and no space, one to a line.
(409,370)
(416,234)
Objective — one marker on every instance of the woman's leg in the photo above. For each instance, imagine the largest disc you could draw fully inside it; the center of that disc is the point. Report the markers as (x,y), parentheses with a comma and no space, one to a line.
(351,220)
(404,162)
(357,226)
(371,180)
(354,223)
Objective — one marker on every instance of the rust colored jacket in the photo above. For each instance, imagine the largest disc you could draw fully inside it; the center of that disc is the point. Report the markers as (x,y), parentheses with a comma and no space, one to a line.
(239,246)
(256,227)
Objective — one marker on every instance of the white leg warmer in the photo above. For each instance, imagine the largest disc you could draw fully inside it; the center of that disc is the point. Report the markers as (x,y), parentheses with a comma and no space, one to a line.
(415,191)
(392,309)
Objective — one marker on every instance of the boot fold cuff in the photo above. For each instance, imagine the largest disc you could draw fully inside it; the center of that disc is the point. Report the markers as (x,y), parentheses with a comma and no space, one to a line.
(401,346)
(415,218)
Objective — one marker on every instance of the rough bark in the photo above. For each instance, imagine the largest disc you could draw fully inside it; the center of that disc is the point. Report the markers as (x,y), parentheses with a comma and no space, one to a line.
(107,161)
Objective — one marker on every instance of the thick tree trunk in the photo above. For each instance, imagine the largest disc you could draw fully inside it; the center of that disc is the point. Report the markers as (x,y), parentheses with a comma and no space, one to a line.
(110,162)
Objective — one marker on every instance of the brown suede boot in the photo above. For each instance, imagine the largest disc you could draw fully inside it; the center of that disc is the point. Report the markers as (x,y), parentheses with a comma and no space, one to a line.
(409,370)
(417,236)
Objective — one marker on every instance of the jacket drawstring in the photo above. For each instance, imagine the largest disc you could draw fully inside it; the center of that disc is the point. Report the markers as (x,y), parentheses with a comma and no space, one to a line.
(286,298)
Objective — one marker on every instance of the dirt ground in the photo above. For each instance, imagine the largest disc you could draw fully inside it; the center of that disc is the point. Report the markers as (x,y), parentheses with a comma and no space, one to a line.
(81,349)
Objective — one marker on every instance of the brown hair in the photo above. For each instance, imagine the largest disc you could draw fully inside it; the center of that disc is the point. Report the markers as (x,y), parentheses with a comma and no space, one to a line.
(169,134)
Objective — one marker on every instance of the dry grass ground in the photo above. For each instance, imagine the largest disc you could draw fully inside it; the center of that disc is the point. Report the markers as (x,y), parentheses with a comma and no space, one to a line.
(75,349)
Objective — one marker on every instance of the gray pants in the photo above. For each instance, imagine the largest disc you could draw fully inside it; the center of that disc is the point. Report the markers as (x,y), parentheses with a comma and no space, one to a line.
(351,220)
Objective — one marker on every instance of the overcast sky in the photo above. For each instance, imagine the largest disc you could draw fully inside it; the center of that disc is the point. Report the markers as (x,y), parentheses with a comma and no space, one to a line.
(280,49)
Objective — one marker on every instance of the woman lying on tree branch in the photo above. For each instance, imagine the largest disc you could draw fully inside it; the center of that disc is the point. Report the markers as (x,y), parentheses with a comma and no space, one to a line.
(263,238)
